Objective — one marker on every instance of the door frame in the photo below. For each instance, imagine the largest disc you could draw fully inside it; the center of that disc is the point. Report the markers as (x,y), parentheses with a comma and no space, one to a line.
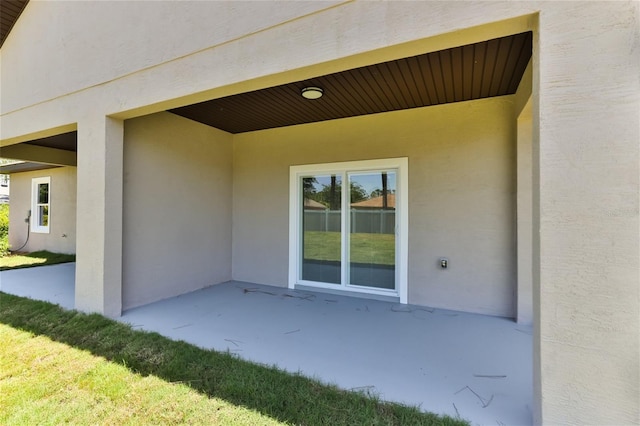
(400,164)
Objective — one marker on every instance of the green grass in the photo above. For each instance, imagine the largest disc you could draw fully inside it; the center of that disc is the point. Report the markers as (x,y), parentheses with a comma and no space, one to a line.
(377,249)
(46,382)
(60,366)
(36,258)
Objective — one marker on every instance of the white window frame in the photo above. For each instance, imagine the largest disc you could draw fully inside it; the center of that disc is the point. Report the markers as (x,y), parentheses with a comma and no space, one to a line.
(296,173)
(35,219)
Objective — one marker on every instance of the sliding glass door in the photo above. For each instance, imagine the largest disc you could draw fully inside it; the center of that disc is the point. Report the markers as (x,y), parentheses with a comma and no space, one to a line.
(372,229)
(321,206)
(346,225)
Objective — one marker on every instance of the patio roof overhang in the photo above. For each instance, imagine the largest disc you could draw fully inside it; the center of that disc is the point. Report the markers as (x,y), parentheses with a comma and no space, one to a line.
(39,154)
(475,71)
(481,70)
(24,166)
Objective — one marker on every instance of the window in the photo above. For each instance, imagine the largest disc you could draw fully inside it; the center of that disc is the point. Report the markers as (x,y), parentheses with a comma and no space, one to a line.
(348,228)
(40,201)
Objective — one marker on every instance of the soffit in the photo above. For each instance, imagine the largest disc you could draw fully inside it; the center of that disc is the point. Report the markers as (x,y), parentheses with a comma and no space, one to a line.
(481,70)
(24,166)
(10,11)
(65,141)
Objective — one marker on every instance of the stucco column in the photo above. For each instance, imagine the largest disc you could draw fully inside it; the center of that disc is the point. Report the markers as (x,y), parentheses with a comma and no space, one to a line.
(586,195)
(99,216)
(524,226)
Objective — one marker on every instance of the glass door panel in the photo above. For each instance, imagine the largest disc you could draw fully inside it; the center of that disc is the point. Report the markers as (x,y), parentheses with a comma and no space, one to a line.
(322,228)
(372,233)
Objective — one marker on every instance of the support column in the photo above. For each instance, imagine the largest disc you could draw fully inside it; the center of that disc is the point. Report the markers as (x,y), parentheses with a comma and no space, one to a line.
(586,214)
(99,216)
(524,222)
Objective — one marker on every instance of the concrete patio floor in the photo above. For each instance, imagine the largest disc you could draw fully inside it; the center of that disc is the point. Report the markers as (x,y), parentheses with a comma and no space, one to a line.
(478,367)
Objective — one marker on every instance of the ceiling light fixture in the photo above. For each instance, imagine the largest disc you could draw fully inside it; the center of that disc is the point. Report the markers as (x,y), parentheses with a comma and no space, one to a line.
(312,92)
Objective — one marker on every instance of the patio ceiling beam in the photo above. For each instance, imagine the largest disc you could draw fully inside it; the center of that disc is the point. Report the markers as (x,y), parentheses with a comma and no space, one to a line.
(39,154)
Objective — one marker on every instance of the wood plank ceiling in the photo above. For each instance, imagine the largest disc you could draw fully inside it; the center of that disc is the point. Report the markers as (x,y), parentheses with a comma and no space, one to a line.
(64,141)
(481,70)
(10,11)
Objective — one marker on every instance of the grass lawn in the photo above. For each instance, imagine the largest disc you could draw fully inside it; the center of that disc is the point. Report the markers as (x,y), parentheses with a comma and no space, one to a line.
(36,258)
(60,366)
(378,249)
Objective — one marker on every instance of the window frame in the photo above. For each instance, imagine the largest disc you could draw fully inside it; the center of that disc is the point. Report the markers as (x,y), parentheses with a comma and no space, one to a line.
(35,211)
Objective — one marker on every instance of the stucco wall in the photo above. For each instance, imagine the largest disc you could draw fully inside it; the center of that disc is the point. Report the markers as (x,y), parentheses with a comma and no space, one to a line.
(176,208)
(88,30)
(586,160)
(461,196)
(62,231)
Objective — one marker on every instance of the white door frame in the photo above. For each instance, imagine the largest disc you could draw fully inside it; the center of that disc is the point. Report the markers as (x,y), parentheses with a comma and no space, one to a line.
(401,166)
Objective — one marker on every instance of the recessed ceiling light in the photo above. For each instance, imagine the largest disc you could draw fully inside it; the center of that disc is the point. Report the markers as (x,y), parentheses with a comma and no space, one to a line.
(312,92)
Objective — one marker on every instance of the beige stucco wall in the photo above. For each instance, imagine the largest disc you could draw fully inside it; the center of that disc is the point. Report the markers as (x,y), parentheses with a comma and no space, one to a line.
(586,127)
(461,196)
(62,231)
(587,166)
(88,30)
(176,208)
